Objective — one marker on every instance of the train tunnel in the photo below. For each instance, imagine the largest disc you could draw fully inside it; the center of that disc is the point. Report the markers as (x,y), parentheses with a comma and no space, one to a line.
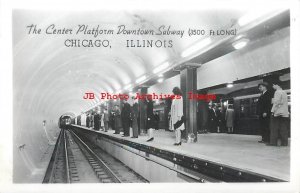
(82,79)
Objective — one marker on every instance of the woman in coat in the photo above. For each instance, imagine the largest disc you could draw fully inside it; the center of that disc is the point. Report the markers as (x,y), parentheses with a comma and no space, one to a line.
(229,118)
(105,120)
(150,119)
(177,118)
(118,122)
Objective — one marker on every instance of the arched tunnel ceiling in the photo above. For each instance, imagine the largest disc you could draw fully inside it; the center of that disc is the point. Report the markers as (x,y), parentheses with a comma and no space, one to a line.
(52,78)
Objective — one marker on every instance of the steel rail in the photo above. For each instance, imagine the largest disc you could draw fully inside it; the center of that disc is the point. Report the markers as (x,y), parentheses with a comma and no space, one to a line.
(118,180)
(66,157)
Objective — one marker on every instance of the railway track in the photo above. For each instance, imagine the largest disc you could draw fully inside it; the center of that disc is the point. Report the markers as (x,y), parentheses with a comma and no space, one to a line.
(66,167)
(58,169)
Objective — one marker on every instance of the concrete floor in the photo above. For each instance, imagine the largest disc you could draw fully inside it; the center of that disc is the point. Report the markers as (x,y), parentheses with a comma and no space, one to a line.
(241,151)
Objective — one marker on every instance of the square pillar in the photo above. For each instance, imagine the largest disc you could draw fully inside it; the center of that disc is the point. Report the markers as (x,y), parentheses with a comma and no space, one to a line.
(142,112)
(188,83)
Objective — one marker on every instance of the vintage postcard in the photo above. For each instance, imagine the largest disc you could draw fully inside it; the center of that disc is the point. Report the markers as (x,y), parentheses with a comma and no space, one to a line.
(186,96)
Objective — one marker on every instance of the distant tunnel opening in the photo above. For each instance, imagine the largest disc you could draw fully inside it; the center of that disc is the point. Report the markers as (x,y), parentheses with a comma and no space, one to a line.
(66,119)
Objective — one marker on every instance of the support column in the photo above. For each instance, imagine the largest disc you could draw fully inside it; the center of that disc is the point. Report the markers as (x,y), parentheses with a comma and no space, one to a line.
(120,103)
(142,112)
(188,83)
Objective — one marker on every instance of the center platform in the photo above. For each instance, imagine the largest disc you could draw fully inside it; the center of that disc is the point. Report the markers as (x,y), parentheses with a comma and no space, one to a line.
(219,156)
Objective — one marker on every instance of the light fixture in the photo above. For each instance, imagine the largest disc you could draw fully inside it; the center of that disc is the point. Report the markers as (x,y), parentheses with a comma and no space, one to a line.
(196,47)
(141,79)
(127,87)
(240,43)
(161,67)
(160,75)
(160,80)
(229,85)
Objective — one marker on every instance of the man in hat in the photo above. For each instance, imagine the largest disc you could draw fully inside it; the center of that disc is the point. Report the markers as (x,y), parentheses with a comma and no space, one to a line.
(264,111)
(125,117)
(212,118)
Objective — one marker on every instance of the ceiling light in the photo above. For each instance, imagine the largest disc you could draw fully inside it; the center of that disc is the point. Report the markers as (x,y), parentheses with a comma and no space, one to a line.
(160,80)
(161,67)
(160,75)
(229,85)
(141,79)
(127,87)
(196,47)
(240,43)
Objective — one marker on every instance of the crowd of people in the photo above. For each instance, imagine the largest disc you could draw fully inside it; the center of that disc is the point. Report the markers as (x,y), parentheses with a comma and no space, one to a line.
(272,110)
(127,118)
(220,121)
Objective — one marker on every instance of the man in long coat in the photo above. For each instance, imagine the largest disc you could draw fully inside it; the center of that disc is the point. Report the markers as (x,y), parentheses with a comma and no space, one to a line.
(264,111)
(125,117)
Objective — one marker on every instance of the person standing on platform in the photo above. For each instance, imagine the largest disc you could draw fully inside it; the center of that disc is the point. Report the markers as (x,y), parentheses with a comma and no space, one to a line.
(83,119)
(92,120)
(134,118)
(219,118)
(118,122)
(229,118)
(264,111)
(279,117)
(102,121)
(125,116)
(112,120)
(223,128)
(105,119)
(212,119)
(177,118)
(87,120)
(78,120)
(97,121)
(150,119)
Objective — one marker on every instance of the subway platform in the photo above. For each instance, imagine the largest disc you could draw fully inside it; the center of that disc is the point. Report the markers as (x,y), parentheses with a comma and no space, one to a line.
(230,152)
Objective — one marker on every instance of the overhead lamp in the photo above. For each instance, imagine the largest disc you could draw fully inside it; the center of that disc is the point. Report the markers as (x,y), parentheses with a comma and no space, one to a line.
(128,86)
(160,80)
(160,75)
(240,43)
(161,67)
(229,85)
(196,47)
(141,79)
